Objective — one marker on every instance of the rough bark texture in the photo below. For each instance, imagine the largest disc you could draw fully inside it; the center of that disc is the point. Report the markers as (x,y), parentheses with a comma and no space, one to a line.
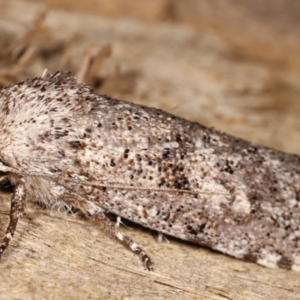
(227,64)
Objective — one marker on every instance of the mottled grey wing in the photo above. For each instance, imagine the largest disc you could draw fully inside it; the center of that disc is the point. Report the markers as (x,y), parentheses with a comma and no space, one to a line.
(189,181)
(155,169)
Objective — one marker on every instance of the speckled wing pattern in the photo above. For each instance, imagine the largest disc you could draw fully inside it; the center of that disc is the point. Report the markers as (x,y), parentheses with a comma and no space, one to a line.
(62,145)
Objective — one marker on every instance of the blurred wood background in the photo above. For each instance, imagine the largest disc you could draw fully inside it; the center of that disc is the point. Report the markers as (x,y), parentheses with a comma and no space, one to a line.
(234,65)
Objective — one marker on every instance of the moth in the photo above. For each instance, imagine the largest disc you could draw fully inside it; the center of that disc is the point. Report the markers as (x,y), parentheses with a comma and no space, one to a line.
(64,146)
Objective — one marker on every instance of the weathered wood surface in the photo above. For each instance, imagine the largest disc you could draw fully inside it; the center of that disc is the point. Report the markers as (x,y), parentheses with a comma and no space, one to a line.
(246,83)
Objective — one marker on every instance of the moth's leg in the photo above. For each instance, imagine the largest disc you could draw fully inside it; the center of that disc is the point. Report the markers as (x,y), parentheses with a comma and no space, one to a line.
(162,237)
(91,209)
(113,229)
(119,221)
(17,207)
